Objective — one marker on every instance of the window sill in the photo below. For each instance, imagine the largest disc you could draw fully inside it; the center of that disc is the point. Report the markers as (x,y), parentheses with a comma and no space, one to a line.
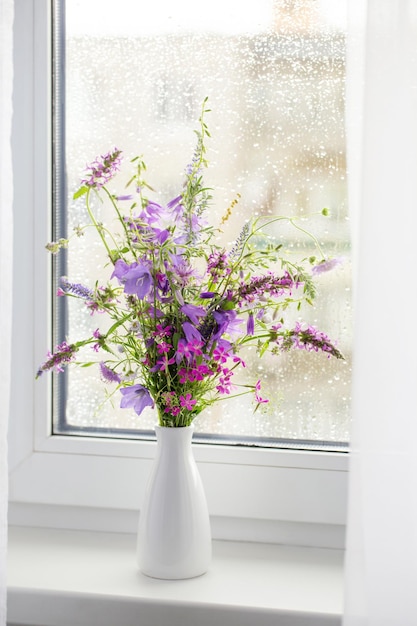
(62,577)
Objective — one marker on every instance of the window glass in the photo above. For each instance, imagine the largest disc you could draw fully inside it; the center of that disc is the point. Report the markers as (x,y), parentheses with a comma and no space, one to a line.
(134,77)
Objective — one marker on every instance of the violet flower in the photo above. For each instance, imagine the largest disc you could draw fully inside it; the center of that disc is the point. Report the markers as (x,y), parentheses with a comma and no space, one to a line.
(136,278)
(193,312)
(250,326)
(181,269)
(175,209)
(227,322)
(152,213)
(109,375)
(136,397)
(191,333)
(327,265)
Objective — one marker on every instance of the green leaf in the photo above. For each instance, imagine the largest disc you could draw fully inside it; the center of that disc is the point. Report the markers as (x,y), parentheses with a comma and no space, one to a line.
(117,324)
(106,348)
(263,349)
(81,191)
(175,340)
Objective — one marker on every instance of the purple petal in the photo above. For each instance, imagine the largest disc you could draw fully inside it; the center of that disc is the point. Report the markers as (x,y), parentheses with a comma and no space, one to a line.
(191,333)
(327,265)
(137,281)
(162,235)
(120,269)
(136,397)
(250,326)
(193,312)
(108,374)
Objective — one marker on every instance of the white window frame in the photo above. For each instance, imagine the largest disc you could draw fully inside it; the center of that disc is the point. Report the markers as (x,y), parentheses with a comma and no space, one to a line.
(283,496)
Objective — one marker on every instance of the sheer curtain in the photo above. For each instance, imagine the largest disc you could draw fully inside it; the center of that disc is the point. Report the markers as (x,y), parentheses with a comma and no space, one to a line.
(381,558)
(6,74)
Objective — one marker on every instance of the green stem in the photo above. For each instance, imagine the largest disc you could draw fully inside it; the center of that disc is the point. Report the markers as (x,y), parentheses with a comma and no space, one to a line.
(119,215)
(236,395)
(97,227)
(306,232)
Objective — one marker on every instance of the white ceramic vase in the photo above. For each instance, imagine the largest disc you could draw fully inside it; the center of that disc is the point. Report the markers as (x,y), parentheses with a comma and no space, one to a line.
(174,537)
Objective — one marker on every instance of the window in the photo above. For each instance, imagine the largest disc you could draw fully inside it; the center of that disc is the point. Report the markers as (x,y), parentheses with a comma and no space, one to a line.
(290,496)
(274,76)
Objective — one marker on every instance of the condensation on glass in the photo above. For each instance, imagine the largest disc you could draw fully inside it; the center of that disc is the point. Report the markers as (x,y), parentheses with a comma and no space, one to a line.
(274,75)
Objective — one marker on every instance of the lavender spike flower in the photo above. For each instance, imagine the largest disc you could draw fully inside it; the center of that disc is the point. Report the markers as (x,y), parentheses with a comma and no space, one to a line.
(102,169)
(61,355)
(240,242)
(310,339)
(76,289)
(268,283)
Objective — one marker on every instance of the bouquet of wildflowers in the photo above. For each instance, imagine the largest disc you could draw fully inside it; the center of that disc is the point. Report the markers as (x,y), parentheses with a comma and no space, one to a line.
(182,309)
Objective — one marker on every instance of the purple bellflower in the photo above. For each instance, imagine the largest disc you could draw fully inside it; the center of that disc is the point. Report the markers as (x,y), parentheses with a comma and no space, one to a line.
(191,333)
(193,312)
(136,397)
(136,278)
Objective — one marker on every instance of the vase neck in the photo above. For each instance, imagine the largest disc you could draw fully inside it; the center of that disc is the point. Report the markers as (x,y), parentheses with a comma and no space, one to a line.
(175,436)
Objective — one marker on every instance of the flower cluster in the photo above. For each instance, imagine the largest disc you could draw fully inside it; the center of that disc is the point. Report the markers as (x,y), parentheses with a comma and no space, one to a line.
(182,310)
(103,169)
(63,354)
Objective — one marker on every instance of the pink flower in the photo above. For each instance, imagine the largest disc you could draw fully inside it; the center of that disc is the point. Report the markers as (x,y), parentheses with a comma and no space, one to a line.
(203,369)
(220,354)
(222,351)
(184,350)
(162,364)
(187,402)
(163,348)
(258,398)
(225,385)
(162,331)
(183,375)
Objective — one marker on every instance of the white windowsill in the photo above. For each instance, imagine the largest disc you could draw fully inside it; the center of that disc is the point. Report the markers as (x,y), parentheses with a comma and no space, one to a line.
(62,578)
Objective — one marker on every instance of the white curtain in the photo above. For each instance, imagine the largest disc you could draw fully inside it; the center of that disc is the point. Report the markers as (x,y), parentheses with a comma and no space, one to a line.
(381,557)
(6,186)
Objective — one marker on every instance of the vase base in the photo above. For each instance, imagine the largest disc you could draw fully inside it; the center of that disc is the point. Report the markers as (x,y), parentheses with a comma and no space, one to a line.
(173,575)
